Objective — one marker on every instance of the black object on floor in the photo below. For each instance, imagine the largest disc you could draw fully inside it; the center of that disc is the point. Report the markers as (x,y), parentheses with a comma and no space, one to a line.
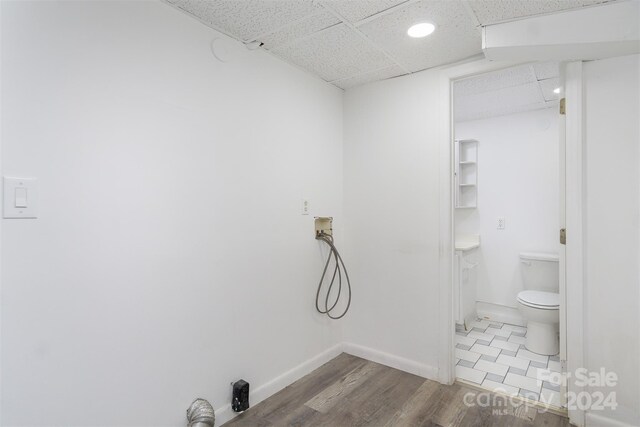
(240,397)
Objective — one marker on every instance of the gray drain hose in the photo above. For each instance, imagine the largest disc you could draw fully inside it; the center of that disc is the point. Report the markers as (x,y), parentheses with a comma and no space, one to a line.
(339,270)
(201,414)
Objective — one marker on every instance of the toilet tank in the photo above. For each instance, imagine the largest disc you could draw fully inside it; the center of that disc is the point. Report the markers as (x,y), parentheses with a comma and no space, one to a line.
(540,271)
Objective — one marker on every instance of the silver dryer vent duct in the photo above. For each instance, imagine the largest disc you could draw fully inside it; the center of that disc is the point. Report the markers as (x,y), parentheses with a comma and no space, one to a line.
(201,414)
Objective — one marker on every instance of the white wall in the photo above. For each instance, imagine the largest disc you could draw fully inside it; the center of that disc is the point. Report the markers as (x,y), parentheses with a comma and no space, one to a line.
(612,252)
(169,257)
(518,180)
(392,209)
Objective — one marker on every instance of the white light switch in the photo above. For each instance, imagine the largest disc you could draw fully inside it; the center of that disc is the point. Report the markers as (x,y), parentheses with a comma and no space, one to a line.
(20,197)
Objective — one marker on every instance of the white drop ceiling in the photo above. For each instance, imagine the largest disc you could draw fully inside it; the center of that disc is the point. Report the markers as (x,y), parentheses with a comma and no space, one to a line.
(351,42)
(512,90)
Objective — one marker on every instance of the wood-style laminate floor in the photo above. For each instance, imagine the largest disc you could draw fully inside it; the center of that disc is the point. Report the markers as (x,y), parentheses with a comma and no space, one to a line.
(350,391)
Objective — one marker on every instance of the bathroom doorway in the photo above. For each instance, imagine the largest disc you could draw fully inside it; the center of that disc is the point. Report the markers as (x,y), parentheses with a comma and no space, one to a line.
(507,208)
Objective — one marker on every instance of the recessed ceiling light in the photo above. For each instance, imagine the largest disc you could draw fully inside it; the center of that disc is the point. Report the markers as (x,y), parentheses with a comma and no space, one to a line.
(421,30)
(556,90)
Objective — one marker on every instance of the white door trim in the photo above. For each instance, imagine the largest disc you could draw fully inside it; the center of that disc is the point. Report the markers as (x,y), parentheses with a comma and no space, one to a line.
(574,202)
(446,329)
(574,222)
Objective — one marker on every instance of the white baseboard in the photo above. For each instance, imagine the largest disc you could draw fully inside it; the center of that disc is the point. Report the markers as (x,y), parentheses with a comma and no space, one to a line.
(499,313)
(393,361)
(264,391)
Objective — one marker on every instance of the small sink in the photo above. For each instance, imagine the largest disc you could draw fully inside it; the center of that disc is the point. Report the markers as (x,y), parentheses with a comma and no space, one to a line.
(467,242)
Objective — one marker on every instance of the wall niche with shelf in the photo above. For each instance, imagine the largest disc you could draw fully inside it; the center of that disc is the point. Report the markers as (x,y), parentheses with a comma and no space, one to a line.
(466,173)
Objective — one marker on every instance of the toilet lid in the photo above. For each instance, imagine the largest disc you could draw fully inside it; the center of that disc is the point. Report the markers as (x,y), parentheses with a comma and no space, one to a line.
(540,299)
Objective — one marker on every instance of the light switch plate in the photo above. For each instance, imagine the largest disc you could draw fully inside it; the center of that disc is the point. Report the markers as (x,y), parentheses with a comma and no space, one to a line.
(20,197)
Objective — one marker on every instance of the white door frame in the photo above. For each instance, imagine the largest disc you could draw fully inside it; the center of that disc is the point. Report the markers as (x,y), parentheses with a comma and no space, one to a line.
(446,331)
(574,204)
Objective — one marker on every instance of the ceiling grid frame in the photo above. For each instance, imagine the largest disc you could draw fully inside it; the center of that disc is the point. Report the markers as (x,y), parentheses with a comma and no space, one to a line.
(364,37)
(284,26)
(577,4)
(505,91)
(533,70)
(301,38)
(367,51)
(384,12)
(471,13)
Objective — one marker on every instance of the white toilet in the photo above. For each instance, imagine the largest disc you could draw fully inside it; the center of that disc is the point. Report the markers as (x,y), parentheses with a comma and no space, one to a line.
(539,303)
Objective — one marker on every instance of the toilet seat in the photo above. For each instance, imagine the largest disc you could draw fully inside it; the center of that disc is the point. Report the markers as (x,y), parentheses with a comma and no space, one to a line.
(539,299)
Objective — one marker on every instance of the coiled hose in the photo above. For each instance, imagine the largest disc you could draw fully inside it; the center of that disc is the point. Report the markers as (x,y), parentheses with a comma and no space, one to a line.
(201,414)
(333,253)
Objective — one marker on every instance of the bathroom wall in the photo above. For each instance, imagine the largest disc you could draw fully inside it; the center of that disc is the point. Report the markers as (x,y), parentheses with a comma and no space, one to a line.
(170,256)
(612,229)
(518,179)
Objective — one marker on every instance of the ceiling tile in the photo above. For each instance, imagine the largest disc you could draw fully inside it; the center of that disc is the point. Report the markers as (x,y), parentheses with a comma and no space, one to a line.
(495,80)
(546,70)
(492,11)
(248,19)
(507,100)
(357,10)
(502,111)
(299,29)
(455,38)
(550,104)
(548,86)
(335,53)
(382,74)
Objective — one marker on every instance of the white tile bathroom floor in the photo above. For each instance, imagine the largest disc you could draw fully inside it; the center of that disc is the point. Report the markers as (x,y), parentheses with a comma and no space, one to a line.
(493,356)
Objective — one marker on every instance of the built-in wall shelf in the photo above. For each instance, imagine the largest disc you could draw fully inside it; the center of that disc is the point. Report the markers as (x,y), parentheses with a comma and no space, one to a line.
(466,173)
